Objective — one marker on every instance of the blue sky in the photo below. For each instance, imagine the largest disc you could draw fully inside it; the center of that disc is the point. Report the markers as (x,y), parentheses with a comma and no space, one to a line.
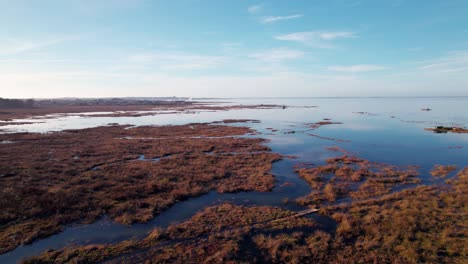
(220,48)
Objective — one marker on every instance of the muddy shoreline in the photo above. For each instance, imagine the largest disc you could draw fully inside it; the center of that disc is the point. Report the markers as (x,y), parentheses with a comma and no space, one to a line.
(7,115)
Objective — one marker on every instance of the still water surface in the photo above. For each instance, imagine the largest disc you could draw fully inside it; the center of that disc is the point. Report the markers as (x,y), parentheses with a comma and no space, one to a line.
(389,130)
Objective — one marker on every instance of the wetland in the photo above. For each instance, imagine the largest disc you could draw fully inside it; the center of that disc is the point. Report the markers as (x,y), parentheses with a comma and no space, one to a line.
(217,182)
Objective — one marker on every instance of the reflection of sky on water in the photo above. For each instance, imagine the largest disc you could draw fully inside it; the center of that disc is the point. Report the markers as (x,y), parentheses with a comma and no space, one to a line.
(340,110)
(377,137)
(373,132)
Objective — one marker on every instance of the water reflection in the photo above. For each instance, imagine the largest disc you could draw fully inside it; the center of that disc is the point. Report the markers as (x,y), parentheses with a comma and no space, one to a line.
(394,134)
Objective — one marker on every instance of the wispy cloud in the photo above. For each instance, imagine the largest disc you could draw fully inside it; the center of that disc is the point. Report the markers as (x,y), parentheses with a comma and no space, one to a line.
(357,68)
(230,47)
(336,35)
(277,55)
(14,46)
(254,9)
(456,61)
(92,7)
(273,19)
(231,44)
(317,38)
(178,61)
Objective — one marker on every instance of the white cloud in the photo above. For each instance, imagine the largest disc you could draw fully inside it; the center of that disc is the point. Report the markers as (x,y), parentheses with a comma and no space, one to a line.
(43,83)
(357,68)
(272,19)
(193,63)
(230,48)
(254,9)
(10,47)
(276,55)
(336,35)
(231,44)
(178,60)
(458,69)
(316,38)
(101,83)
(456,61)
(143,58)
(93,7)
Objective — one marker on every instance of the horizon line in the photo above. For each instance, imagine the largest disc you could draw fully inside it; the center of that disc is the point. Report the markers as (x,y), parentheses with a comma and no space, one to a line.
(213,98)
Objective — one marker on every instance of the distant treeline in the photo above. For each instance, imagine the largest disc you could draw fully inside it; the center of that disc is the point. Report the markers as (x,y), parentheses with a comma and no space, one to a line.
(16,103)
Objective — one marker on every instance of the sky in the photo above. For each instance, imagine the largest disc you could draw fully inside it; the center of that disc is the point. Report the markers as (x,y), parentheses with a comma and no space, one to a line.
(238,48)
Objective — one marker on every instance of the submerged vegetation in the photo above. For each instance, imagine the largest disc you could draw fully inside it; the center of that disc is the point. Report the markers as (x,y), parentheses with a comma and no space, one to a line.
(347,177)
(442,171)
(78,175)
(317,125)
(419,225)
(219,234)
(370,212)
(19,109)
(444,129)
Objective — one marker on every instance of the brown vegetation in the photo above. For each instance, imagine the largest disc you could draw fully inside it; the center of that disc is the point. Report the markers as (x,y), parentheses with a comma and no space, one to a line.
(444,129)
(419,225)
(442,171)
(9,123)
(187,107)
(231,121)
(200,106)
(365,113)
(129,109)
(54,179)
(352,177)
(20,113)
(219,234)
(329,138)
(317,125)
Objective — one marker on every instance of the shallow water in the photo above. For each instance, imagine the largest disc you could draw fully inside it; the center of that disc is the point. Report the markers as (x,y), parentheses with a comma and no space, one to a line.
(391,130)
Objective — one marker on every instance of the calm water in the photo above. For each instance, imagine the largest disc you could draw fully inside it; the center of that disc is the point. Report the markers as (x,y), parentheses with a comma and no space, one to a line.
(391,130)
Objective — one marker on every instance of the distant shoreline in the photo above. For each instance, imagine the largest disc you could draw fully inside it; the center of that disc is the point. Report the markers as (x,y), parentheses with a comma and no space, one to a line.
(150,98)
